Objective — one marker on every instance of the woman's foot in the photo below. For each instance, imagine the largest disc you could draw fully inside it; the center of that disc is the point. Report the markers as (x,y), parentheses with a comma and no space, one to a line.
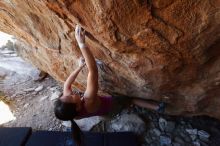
(161,108)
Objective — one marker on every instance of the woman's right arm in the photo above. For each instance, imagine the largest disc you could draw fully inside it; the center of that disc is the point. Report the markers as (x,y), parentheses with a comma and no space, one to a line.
(67,90)
(92,79)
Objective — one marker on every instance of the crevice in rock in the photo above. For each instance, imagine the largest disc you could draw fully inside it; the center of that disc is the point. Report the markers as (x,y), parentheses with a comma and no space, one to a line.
(92,38)
(166,24)
(13,17)
(59,47)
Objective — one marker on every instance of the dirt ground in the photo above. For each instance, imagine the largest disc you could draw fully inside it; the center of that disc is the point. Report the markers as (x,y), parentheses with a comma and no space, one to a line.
(32,108)
(29,100)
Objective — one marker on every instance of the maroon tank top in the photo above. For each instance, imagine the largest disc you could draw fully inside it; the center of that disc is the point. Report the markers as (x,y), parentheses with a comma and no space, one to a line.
(105,107)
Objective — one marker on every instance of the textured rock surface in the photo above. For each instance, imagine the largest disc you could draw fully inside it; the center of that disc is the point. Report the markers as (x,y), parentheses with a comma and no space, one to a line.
(127,122)
(161,50)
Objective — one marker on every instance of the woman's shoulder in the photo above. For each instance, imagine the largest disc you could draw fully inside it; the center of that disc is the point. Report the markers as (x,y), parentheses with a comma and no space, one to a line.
(81,94)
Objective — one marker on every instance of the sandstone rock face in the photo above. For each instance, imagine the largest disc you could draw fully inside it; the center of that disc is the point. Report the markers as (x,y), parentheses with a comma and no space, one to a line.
(163,50)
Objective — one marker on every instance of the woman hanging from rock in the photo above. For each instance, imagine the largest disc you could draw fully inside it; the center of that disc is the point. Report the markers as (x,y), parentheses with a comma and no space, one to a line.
(73,105)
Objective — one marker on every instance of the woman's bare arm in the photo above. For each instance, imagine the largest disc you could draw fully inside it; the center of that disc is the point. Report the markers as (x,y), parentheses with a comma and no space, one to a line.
(92,79)
(67,85)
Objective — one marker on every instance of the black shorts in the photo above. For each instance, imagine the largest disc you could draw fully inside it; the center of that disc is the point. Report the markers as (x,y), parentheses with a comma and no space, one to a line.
(119,103)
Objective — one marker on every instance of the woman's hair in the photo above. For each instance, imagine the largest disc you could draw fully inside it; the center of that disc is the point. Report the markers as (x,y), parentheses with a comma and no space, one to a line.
(67,111)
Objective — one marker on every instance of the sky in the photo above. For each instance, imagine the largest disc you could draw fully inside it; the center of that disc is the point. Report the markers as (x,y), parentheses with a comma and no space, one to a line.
(4,38)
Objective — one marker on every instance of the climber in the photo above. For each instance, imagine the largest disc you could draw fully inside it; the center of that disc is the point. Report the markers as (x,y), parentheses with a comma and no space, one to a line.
(74,105)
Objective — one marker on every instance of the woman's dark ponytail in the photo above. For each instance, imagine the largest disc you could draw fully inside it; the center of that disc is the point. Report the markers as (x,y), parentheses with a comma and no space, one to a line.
(77,133)
(67,111)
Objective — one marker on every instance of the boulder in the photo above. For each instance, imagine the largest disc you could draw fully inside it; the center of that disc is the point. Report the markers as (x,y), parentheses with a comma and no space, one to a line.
(160,50)
(127,122)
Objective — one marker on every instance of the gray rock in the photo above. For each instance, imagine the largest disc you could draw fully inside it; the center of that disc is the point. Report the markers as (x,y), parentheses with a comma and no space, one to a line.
(87,124)
(176,144)
(203,135)
(196,143)
(193,137)
(14,95)
(165,125)
(127,122)
(153,125)
(26,105)
(182,122)
(165,140)
(170,126)
(192,131)
(147,139)
(185,137)
(203,139)
(189,126)
(154,138)
(54,88)
(162,124)
(181,127)
(155,143)
(124,111)
(39,88)
(66,123)
(176,131)
(156,132)
(179,140)
(43,98)
(169,134)
(203,143)
(56,94)
(29,90)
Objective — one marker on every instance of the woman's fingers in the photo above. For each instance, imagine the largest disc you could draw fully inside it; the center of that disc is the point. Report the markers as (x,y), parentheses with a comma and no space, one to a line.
(77,30)
(80,30)
(81,61)
(80,35)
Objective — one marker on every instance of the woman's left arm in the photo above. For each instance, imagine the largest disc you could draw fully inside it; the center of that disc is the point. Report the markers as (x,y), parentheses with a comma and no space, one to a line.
(67,85)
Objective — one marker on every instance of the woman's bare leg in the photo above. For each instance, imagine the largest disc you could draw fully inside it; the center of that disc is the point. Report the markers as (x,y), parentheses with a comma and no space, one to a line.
(145,104)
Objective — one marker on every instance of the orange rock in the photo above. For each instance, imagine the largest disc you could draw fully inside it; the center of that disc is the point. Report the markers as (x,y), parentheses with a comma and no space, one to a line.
(160,50)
